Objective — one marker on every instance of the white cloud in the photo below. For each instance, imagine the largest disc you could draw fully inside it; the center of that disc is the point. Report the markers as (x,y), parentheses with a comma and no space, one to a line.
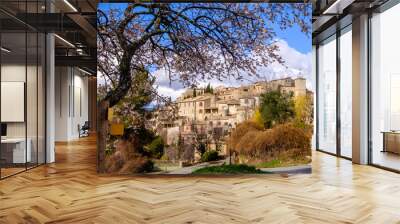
(168,91)
(297,64)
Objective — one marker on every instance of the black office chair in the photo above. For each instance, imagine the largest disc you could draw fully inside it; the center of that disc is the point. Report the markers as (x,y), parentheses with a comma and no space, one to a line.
(84,130)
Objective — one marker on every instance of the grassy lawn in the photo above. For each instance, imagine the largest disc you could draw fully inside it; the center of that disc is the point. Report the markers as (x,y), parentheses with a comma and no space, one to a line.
(284,163)
(229,169)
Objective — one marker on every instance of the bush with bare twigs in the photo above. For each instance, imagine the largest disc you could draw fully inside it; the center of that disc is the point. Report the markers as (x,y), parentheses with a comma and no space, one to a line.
(240,131)
(253,143)
(127,159)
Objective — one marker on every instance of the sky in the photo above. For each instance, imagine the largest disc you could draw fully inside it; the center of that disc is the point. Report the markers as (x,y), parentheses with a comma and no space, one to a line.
(294,47)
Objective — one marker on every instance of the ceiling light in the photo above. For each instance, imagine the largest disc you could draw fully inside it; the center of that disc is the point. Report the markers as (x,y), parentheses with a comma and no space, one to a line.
(70,5)
(65,41)
(334,5)
(337,7)
(84,71)
(5,49)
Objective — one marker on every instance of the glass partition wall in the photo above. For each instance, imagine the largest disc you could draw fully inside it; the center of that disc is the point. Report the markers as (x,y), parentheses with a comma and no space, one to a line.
(334,94)
(345,61)
(22,77)
(385,89)
(334,90)
(327,95)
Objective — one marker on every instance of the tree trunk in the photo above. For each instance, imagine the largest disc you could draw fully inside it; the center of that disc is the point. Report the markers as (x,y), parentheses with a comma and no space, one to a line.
(102,133)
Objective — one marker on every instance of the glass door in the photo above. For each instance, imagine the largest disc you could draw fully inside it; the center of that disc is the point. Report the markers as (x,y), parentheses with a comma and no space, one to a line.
(327,95)
(346,92)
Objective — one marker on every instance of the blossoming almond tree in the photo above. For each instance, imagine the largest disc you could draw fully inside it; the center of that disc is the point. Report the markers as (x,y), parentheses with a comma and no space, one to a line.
(191,41)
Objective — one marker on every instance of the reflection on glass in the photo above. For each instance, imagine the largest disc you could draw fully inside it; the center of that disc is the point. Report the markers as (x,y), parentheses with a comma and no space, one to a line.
(346,93)
(31,100)
(41,99)
(385,86)
(327,96)
(14,146)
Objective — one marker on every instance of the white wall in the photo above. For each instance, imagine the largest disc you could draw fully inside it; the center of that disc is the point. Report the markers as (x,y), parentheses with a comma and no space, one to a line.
(33,127)
(71,102)
(12,73)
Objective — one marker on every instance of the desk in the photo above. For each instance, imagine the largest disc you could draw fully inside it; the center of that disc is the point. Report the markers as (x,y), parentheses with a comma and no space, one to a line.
(391,141)
(15,148)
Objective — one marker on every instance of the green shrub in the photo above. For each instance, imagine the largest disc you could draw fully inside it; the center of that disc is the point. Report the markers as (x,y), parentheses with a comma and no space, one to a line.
(156,148)
(211,155)
(146,167)
(231,169)
(164,157)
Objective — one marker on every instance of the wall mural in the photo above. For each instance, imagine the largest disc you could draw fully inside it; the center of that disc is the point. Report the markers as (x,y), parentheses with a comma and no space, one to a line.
(204,88)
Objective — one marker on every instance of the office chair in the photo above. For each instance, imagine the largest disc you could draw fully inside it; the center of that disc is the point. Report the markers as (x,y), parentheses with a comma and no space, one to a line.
(84,130)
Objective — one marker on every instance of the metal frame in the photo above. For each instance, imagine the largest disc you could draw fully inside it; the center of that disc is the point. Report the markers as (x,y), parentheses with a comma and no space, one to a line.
(369,90)
(338,75)
(44,77)
(338,152)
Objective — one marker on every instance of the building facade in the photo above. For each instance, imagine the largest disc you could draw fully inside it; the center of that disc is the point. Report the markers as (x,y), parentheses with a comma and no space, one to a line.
(211,115)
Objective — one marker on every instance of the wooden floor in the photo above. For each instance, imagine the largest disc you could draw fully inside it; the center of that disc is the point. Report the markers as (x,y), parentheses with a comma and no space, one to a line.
(70,191)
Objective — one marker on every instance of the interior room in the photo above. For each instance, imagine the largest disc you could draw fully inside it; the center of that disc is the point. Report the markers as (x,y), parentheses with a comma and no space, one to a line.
(357,67)
(385,89)
(48,92)
(71,102)
(22,79)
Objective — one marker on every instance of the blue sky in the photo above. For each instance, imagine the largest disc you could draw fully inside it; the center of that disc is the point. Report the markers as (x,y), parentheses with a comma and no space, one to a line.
(296,39)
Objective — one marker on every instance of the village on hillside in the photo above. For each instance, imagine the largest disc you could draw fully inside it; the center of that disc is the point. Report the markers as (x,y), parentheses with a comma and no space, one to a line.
(202,119)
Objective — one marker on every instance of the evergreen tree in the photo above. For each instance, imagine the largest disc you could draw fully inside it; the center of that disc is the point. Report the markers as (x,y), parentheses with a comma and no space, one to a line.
(276,108)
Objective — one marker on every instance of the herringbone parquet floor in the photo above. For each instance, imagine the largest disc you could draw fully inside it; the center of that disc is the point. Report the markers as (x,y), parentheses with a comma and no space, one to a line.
(70,191)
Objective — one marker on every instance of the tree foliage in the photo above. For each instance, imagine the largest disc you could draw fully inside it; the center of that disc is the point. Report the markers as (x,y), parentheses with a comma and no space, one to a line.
(304,111)
(156,148)
(194,92)
(257,117)
(131,109)
(209,89)
(276,108)
(211,155)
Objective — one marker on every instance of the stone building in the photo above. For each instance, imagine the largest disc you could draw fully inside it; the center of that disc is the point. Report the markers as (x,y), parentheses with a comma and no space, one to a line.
(207,114)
